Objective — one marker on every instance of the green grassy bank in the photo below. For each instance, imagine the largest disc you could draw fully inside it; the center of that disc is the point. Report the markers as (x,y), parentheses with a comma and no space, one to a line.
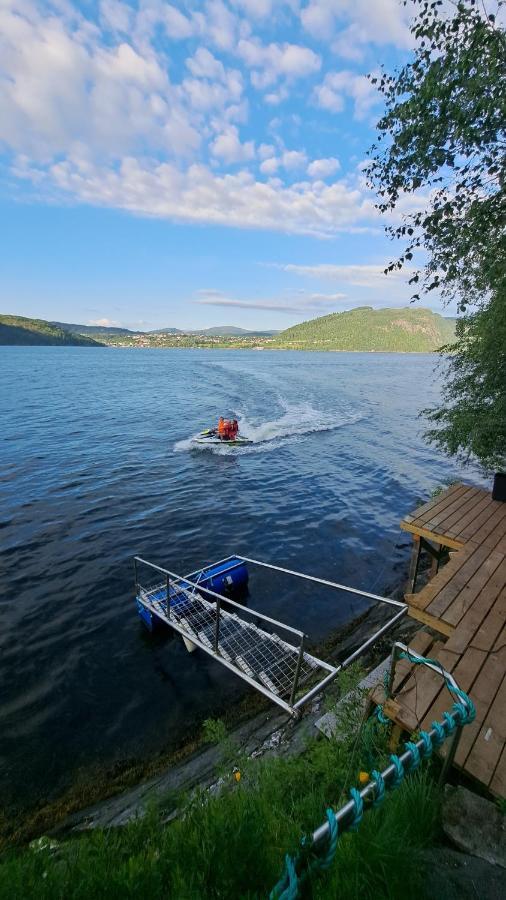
(232,842)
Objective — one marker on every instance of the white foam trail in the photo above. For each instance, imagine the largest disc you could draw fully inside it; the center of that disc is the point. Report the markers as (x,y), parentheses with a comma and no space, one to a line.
(297,421)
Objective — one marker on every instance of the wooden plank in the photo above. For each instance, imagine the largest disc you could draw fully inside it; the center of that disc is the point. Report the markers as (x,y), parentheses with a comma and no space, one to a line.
(437,537)
(470,528)
(436,501)
(437,520)
(421,643)
(425,619)
(482,693)
(501,546)
(443,577)
(446,502)
(481,580)
(481,506)
(482,535)
(501,640)
(465,673)
(491,627)
(421,689)
(463,636)
(490,741)
(465,572)
(498,784)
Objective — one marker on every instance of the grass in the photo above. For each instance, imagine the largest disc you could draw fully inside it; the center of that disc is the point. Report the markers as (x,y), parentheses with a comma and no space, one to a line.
(231,843)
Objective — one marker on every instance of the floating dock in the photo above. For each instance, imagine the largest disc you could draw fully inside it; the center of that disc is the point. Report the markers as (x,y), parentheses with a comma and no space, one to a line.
(267,654)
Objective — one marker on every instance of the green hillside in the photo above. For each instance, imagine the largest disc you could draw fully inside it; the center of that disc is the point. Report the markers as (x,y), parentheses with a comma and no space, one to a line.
(405,330)
(18,330)
(91,329)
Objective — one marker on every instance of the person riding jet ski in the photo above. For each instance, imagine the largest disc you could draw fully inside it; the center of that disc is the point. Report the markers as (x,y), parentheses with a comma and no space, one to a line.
(227,430)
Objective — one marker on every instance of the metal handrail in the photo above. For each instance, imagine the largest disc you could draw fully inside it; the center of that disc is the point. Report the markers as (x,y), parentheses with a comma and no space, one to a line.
(258,615)
(332,584)
(347,811)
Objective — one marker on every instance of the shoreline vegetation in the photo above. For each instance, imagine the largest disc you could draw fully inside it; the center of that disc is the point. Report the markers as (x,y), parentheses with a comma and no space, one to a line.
(226,833)
(95,786)
(361,330)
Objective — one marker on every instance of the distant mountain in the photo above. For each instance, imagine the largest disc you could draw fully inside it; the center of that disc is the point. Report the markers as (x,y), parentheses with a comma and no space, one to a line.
(215,331)
(18,330)
(409,330)
(232,331)
(165,331)
(91,329)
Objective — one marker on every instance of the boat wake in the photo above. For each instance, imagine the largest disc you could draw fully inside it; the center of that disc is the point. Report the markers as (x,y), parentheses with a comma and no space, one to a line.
(297,422)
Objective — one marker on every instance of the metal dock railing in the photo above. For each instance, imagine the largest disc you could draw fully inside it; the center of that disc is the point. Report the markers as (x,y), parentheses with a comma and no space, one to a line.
(244,640)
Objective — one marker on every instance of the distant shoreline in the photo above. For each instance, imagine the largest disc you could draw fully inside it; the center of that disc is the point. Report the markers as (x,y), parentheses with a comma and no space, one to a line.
(225,347)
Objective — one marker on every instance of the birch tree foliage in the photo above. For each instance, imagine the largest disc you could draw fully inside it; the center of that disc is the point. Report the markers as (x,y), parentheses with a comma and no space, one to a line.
(441,143)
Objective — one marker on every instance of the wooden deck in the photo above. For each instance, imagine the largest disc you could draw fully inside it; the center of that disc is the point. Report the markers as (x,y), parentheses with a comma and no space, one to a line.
(465,604)
(460,515)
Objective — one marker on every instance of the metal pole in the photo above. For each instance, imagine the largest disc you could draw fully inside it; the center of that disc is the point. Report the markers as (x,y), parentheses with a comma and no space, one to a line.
(297,671)
(345,815)
(167,601)
(349,659)
(217,626)
(135,578)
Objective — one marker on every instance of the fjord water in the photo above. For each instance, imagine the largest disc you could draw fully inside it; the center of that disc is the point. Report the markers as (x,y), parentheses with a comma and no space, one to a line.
(97,467)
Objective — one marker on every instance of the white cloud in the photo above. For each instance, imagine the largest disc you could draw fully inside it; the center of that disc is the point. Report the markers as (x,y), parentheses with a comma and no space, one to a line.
(331,93)
(323,168)
(301,302)
(62,86)
(228,147)
(265,150)
(204,65)
(366,276)
(379,22)
(289,160)
(270,166)
(199,195)
(269,62)
(102,110)
(257,9)
(116,15)
(293,159)
(105,323)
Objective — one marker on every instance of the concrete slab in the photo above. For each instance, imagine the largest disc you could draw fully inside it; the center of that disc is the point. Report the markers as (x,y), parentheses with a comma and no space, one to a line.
(328,723)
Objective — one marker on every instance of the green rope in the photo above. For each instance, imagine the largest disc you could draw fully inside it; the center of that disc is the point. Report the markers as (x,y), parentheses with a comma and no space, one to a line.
(462,712)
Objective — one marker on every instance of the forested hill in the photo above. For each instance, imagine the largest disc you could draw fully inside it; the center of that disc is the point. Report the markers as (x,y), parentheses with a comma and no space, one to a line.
(409,330)
(20,330)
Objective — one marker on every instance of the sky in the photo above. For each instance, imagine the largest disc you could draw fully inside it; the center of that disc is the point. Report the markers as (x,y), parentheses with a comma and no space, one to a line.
(191,164)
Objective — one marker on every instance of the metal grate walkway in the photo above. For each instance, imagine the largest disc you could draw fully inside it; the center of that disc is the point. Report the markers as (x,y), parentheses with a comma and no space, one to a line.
(261,655)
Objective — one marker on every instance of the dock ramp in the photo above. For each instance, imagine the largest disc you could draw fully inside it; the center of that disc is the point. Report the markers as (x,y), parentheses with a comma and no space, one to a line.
(267,654)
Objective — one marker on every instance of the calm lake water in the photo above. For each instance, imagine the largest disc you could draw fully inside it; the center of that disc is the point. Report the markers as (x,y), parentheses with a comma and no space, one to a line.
(97,467)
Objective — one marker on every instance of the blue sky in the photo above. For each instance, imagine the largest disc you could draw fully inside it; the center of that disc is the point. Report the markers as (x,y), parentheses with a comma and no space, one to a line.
(193,163)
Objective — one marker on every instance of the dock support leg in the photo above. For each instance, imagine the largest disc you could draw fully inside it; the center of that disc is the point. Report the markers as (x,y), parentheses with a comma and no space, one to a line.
(413,566)
(434,566)
(450,756)
(395,738)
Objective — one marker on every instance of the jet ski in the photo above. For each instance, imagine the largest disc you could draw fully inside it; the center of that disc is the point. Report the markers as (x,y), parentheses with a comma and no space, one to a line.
(211,437)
